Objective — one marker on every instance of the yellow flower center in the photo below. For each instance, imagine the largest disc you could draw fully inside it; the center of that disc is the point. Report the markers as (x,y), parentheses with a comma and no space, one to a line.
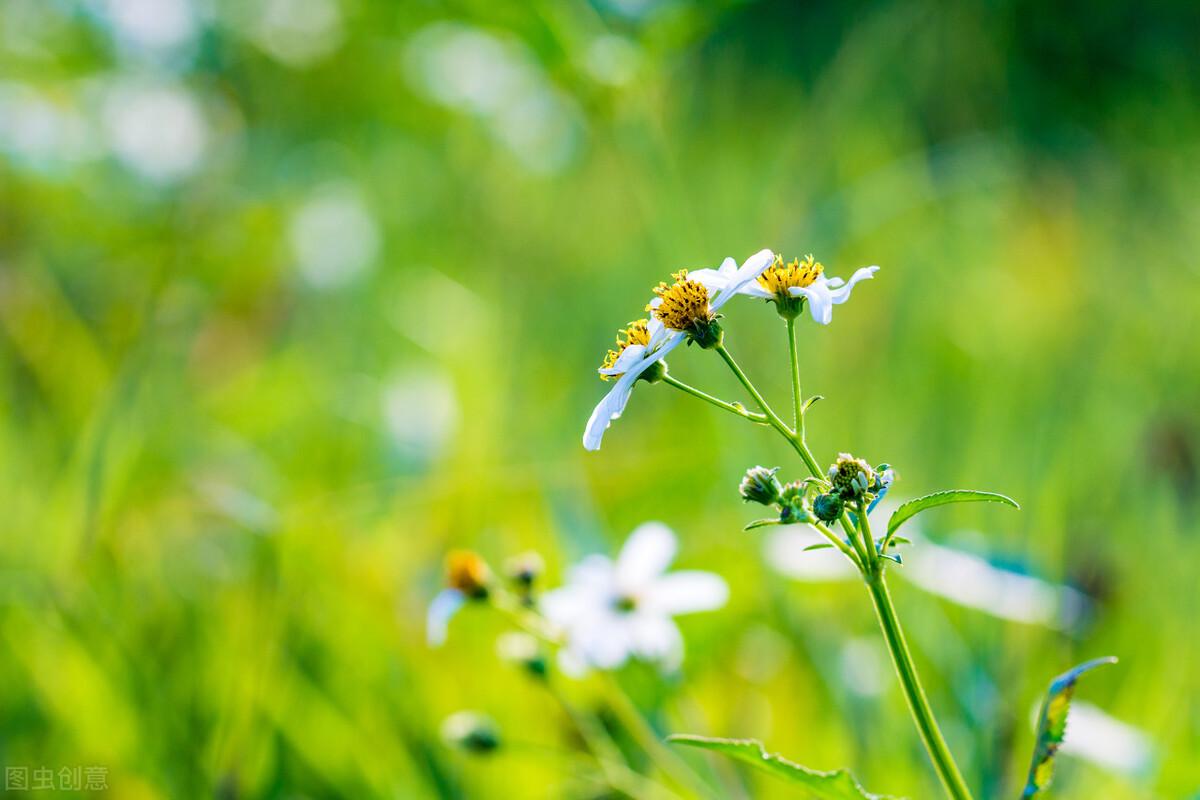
(684,304)
(637,332)
(468,573)
(780,277)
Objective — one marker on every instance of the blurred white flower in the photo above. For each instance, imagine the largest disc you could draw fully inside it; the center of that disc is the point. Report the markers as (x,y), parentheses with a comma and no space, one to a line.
(333,236)
(158,131)
(610,611)
(41,133)
(421,411)
(806,278)
(152,26)
(298,32)
(445,605)
(653,340)
(500,82)
(948,572)
(1096,736)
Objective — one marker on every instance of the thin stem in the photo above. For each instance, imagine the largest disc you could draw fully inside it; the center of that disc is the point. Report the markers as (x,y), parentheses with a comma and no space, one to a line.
(674,767)
(733,408)
(918,704)
(772,418)
(618,776)
(838,543)
(797,397)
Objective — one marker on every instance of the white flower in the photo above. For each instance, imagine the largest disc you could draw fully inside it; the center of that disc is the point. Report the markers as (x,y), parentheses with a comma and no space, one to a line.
(693,299)
(805,279)
(610,611)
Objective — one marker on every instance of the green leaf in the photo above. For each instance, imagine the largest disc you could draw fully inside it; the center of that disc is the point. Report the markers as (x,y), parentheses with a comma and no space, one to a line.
(835,785)
(762,523)
(1052,725)
(817,546)
(914,507)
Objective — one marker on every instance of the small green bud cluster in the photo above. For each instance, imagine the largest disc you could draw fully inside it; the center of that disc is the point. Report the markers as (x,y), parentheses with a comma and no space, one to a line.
(759,485)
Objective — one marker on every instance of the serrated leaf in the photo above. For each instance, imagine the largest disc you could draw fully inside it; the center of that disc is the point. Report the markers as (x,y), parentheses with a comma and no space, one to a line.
(817,546)
(1052,725)
(834,785)
(913,507)
(762,523)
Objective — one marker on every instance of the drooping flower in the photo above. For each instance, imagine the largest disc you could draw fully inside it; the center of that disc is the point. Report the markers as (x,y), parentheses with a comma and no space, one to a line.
(684,309)
(610,611)
(790,284)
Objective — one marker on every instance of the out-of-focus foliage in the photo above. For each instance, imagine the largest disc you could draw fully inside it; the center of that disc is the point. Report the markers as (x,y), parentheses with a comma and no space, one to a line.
(298,295)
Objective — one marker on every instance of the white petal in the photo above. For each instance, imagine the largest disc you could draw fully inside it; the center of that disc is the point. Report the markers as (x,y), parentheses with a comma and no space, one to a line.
(655,638)
(629,356)
(686,591)
(715,279)
(748,272)
(613,404)
(608,409)
(755,289)
(646,555)
(604,643)
(820,301)
(841,293)
(444,606)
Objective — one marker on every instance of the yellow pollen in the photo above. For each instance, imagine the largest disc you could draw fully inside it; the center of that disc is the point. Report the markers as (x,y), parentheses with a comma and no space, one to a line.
(780,277)
(467,572)
(638,332)
(684,303)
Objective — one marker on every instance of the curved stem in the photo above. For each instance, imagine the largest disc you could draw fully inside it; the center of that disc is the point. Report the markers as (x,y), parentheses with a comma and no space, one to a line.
(772,418)
(918,704)
(733,408)
(797,397)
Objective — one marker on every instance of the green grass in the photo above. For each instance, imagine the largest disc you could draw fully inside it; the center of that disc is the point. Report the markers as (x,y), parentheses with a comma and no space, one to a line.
(217,554)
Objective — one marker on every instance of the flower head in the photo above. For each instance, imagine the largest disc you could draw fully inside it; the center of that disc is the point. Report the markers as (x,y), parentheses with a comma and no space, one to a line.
(467,578)
(759,485)
(643,345)
(790,284)
(610,611)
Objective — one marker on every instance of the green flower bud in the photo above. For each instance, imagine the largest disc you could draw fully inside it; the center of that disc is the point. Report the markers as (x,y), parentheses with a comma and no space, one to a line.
(523,650)
(828,507)
(471,731)
(851,477)
(792,504)
(759,485)
(524,569)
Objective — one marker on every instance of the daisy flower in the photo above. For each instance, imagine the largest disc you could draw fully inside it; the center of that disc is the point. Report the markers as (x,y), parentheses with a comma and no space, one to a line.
(610,611)
(684,309)
(790,284)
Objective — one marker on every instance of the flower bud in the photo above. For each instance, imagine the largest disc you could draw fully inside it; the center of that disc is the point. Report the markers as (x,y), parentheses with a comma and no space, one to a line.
(524,569)
(470,731)
(523,650)
(706,334)
(792,503)
(467,572)
(851,477)
(828,507)
(759,485)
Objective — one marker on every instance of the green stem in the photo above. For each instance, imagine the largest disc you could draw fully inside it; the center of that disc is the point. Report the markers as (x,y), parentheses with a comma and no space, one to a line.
(797,397)
(868,539)
(674,767)
(733,408)
(918,704)
(772,418)
(839,544)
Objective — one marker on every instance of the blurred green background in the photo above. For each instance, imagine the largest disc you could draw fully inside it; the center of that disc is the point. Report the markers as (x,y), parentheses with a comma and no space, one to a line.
(297,295)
